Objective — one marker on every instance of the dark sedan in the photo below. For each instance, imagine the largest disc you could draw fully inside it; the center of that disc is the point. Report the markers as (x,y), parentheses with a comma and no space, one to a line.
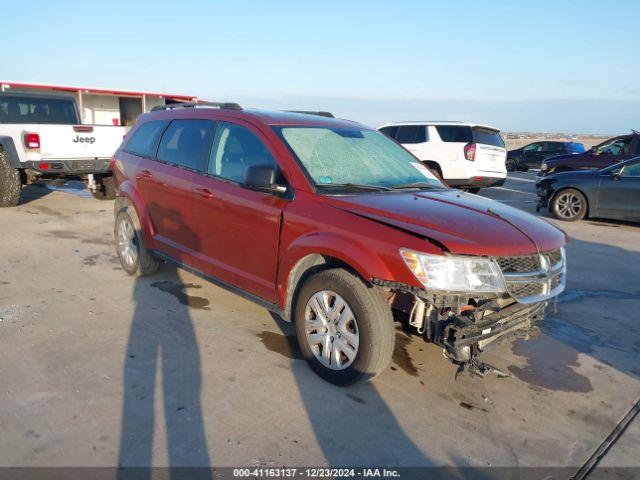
(532,155)
(612,192)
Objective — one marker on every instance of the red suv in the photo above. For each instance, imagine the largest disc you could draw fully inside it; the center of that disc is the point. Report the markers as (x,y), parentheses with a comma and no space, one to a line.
(331,225)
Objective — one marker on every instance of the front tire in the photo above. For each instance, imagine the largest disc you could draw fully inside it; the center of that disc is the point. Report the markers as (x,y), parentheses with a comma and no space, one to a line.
(10,183)
(569,205)
(344,327)
(132,253)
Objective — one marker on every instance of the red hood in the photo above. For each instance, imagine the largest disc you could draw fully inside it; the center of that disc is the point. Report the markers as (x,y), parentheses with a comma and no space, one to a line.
(463,223)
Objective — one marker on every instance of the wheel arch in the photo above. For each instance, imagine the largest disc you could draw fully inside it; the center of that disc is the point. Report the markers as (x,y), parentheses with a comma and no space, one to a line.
(129,198)
(8,146)
(312,254)
(434,165)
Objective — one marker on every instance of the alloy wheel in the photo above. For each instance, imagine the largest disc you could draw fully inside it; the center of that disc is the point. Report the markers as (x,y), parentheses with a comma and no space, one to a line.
(127,243)
(568,205)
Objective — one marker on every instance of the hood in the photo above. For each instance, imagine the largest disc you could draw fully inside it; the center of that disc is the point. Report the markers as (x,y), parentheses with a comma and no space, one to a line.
(571,175)
(565,156)
(464,223)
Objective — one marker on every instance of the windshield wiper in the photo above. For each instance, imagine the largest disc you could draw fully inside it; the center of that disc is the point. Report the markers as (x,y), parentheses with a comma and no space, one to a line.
(402,186)
(354,186)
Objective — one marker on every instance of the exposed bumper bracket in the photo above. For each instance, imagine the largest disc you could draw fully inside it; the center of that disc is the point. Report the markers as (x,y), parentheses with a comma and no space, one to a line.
(480,369)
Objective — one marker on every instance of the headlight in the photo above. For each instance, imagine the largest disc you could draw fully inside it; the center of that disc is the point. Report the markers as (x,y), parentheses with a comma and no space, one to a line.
(455,273)
(543,166)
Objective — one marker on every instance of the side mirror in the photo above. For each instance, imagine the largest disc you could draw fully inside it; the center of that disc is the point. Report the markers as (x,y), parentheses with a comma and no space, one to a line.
(263,178)
(616,173)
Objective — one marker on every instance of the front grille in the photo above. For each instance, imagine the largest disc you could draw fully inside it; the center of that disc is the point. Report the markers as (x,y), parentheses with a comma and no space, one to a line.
(519,264)
(533,278)
(526,289)
(556,280)
(555,256)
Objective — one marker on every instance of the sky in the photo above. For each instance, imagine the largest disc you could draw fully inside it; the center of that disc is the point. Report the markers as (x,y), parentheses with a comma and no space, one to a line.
(520,65)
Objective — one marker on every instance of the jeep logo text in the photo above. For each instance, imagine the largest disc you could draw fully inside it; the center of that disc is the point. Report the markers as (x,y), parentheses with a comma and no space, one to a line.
(80,139)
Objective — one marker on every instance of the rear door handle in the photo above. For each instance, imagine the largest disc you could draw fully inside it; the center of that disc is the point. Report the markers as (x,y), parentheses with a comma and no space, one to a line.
(203,192)
(144,174)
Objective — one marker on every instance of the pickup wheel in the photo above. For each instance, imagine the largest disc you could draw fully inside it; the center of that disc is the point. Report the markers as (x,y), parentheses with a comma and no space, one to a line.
(569,204)
(344,327)
(106,190)
(10,183)
(133,255)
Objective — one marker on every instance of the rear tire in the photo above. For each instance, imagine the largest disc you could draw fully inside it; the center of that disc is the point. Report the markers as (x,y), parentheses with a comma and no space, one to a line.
(106,190)
(569,205)
(353,314)
(10,183)
(511,165)
(132,253)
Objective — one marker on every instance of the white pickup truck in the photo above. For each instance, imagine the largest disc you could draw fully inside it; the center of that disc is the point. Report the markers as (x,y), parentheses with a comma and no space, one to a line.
(41,136)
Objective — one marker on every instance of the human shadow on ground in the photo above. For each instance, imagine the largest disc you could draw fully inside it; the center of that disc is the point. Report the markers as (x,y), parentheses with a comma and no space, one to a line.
(162,338)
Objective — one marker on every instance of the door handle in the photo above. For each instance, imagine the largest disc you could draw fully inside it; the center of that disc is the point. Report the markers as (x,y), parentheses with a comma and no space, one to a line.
(203,192)
(144,174)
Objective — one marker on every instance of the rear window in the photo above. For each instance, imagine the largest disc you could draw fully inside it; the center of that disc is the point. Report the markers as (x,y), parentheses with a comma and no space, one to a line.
(454,133)
(186,143)
(486,136)
(411,134)
(144,140)
(31,110)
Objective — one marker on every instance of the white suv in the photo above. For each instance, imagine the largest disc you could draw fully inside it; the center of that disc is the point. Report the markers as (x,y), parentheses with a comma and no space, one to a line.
(465,155)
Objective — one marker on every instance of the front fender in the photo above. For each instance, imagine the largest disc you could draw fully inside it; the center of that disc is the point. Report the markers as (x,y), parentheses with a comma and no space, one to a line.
(367,263)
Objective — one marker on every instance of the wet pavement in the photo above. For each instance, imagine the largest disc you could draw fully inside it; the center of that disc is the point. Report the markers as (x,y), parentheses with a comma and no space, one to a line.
(99,369)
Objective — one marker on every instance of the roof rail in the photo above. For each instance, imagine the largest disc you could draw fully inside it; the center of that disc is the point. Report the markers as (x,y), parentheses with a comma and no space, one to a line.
(221,105)
(321,114)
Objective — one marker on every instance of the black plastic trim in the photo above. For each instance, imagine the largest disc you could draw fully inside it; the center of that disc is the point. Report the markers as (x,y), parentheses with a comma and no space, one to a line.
(272,307)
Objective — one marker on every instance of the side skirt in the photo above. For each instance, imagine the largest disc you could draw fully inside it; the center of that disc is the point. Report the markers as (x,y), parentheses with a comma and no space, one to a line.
(272,307)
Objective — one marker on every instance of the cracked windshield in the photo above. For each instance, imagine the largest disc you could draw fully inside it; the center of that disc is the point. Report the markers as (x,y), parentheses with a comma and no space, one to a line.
(355,158)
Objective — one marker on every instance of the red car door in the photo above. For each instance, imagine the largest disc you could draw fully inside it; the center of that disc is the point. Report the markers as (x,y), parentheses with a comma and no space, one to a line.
(238,227)
(169,196)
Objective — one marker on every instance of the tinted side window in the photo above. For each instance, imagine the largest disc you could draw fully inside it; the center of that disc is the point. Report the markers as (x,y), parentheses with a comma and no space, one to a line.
(454,133)
(186,143)
(412,134)
(235,148)
(38,110)
(144,140)
(631,170)
(552,147)
(390,131)
(533,147)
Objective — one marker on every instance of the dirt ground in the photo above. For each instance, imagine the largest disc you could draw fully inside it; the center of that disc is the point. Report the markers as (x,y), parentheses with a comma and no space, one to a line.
(101,369)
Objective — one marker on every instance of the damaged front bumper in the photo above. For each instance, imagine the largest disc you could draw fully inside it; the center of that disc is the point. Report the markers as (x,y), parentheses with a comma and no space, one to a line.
(463,340)
(464,326)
